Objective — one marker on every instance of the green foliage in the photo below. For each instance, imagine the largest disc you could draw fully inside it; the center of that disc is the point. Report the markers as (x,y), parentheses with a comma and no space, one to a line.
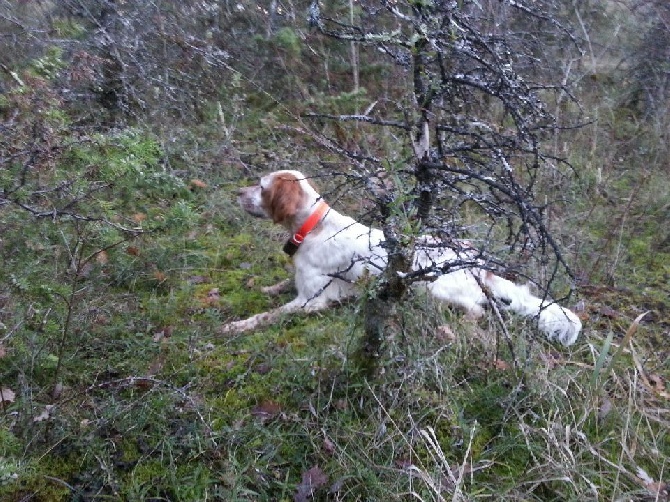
(49,65)
(68,28)
(287,39)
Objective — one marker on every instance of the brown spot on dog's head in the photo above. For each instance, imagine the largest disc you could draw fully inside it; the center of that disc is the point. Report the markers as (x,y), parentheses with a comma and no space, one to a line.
(282,198)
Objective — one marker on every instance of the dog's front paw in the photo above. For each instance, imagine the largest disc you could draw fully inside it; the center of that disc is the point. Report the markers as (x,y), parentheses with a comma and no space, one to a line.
(279,288)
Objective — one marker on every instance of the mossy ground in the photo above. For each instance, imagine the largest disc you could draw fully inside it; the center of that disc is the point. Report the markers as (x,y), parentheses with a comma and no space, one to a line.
(125,390)
(155,405)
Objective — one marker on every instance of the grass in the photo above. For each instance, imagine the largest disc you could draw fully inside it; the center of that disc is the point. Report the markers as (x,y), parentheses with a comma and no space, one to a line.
(156,406)
(123,390)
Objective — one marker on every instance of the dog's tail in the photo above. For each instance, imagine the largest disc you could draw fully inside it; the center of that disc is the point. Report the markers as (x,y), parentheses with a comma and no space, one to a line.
(556,322)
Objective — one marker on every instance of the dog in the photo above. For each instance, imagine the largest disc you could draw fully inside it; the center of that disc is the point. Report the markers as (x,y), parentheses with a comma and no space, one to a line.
(332,251)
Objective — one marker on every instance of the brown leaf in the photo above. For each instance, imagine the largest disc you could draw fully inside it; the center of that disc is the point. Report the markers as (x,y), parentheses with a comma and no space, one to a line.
(195,183)
(57,391)
(606,311)
(328,446)
(198,279)
(656,488)
(403,463)
(445,334)
(139,217)
(159,276)
(144,383)
(656,382)
(133,251)
(551,359)
(7,395)
(102,258)
(266,410)
(262,368)
(213,297)
(312,480)
(341,404)
(45,415)
(500,365)
(605,408)
(164,332)
(86,269)
(659,489)
(156,366)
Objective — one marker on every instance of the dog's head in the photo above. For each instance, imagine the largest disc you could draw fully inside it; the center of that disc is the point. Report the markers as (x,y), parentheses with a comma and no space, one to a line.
(282,196)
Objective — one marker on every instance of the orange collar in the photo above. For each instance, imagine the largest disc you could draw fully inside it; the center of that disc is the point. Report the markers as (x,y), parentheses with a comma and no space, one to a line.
(294,242)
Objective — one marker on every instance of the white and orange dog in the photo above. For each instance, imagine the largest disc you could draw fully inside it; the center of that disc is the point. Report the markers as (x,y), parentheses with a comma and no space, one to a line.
(331,251)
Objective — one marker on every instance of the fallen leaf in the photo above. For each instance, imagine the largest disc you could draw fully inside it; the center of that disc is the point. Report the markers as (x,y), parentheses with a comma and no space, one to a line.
(403,463)
(262,368)
(133,251)
(159,276)
(583,316)
(606,311)
(500,365)
(102,258)
(7,395)
(312,480)
(139,217)
(328,446)
(57,391)
(195,183)
(156,366)
(45,415)
(659,489)
(605,408)
(445,334)
(341,404)
(551,359)
(198,279)
(656,488)
(86,269)
(164,332)
(144,383)
(266,410)
(337,485)
(656,382)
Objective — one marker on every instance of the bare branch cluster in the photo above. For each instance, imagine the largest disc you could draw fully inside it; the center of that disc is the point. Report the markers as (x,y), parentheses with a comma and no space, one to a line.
(469,129)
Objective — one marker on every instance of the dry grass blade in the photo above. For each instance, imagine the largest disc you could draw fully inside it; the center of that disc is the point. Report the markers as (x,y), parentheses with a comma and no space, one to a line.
(600,367)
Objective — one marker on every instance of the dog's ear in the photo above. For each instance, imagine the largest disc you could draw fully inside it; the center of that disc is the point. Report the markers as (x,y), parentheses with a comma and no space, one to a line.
(283,198)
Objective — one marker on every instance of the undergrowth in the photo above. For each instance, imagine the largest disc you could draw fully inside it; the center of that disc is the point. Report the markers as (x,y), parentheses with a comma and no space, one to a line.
(139,398)
(116,384)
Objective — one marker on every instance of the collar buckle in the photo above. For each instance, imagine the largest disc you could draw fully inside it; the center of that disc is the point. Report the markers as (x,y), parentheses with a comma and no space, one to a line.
(292,245)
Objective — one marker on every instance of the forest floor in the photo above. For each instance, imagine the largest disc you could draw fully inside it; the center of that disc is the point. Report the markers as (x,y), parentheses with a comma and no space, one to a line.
(140,397)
